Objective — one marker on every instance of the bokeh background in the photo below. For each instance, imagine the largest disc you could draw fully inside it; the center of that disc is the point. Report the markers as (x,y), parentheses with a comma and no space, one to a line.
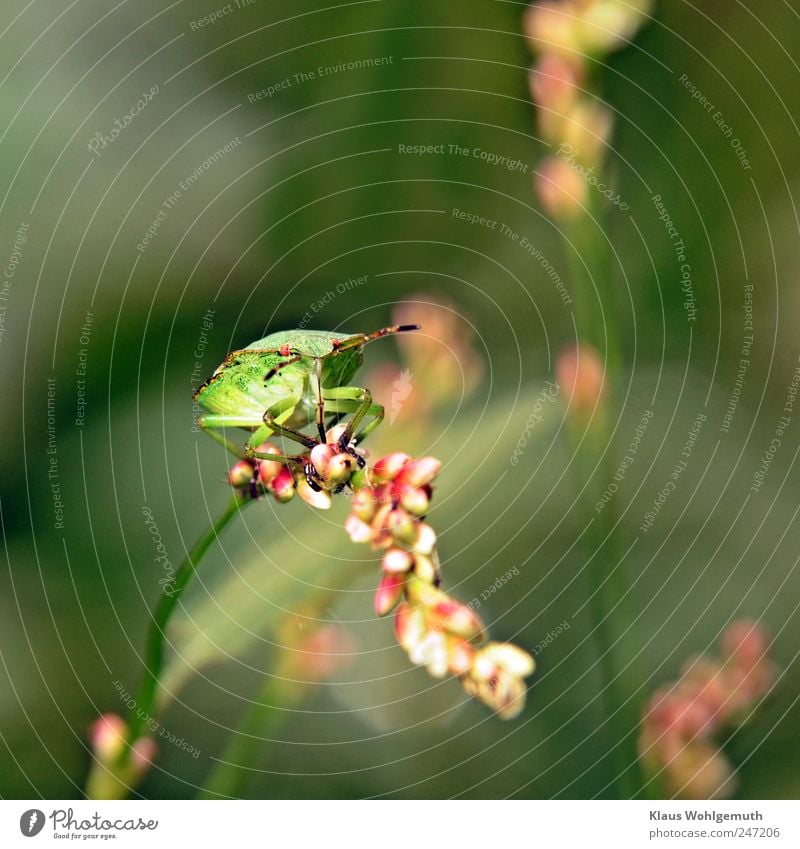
(286,197)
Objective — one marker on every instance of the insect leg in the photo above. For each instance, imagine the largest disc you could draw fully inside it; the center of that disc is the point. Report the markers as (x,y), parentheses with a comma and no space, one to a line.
(320,403)
(214,425)
(289,433)
(352,399)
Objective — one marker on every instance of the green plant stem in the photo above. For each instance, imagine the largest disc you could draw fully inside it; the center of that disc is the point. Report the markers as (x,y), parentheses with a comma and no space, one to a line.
(228,778)
(608,576)
(156,635)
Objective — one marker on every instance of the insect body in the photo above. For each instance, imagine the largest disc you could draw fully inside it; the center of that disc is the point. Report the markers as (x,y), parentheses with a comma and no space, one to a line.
(288,380)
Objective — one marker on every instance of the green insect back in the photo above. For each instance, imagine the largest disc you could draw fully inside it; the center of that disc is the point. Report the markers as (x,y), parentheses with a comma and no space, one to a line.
(238,389)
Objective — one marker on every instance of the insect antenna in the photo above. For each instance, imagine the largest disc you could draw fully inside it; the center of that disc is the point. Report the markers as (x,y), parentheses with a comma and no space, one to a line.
(358,341)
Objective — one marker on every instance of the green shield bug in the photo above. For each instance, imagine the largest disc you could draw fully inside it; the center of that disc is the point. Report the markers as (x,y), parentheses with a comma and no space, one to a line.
(286,381)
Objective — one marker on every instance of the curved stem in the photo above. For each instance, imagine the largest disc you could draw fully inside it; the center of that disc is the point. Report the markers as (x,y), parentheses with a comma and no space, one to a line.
(156,635)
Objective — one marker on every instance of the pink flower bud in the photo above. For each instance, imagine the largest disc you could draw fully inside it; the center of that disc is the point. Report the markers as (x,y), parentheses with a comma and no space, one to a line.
(580,374)
(425,569)
(322,653)
(364,504)
(585,130)
(401,526)
(357,530)
(409,626)
(321,455)
(316,498)
(143,753)
(424,539)
(458,619)
(460,655)
(397,561)
(333,436)
(431,652)
(268,469)
(388,467)
(414,499)
(107,737)
(553,28)
(241,474)
(554,82)
(745,642)
(389,593)
(419,472)
(700,771)
(610,24)
(561,189)
(340,469)
(282,485)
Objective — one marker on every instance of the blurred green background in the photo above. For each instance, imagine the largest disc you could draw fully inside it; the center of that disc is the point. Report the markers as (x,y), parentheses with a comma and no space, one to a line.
(313,191)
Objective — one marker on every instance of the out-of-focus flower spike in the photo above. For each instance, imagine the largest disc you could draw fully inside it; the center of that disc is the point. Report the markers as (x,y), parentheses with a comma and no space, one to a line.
(107,736)
(561,189)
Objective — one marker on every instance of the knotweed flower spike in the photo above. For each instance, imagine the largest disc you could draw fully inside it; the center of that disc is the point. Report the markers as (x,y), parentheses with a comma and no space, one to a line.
(565,35)
(389,504)
(108,739)
(676,742)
